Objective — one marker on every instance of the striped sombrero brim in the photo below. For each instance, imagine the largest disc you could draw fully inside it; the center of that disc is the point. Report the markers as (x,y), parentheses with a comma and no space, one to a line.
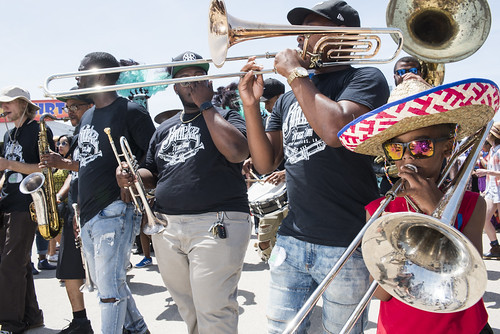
(469,103)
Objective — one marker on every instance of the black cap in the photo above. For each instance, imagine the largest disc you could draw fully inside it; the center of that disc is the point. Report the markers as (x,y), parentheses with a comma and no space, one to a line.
(336,11)
(186,56)
(83,98)
(272,87)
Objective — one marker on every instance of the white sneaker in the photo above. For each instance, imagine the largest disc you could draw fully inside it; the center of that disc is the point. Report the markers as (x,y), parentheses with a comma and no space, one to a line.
(53,258)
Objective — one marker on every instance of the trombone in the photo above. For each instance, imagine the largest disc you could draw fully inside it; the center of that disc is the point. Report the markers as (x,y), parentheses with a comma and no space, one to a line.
(420,246)
(89,285)
(339,46)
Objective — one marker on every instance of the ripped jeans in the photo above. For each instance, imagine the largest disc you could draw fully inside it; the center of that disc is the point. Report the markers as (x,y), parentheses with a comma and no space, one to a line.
(107,241)
(297,267)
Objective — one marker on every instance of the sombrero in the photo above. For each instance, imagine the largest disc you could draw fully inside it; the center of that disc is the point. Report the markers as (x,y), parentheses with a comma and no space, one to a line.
(469,103)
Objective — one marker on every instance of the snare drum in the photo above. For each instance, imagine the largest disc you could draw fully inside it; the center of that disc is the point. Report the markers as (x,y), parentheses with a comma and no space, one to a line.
(266,198)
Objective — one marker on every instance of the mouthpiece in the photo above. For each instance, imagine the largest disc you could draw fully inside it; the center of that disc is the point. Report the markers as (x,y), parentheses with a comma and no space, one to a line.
(412,167)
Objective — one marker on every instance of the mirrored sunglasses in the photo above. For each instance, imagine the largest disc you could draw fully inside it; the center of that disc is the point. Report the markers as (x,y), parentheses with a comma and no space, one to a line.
(419,149)
(403,71)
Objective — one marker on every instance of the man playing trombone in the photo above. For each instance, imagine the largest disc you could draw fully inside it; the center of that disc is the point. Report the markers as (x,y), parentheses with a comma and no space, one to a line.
(327,185)
(194,160)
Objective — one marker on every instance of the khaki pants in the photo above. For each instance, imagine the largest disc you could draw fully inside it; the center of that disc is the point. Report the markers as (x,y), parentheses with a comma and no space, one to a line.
(268,227)
(201,271)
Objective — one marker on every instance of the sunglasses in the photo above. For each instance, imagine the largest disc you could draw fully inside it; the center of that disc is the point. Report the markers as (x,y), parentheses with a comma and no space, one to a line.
(419,149)
(403,71)
(63,143)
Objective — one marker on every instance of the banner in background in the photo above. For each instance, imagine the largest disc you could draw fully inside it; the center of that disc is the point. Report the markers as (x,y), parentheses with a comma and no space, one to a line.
(53,107)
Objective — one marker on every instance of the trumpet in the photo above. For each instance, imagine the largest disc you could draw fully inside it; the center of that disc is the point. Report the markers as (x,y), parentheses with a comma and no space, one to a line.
(154,224)
(339,45)
(89,285)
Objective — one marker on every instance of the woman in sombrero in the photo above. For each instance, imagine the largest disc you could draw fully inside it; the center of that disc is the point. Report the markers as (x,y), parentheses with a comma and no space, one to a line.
(417,131)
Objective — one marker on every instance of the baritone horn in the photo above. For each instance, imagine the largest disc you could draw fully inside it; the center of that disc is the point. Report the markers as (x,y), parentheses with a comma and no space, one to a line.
(154,224)
(338,45)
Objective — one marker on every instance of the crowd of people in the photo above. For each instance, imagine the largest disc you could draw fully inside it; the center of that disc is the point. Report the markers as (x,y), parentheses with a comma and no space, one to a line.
(318,139)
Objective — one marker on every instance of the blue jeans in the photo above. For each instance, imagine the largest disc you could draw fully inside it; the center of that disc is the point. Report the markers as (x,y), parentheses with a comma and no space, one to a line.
(297,267)
(42,245)
(107,241)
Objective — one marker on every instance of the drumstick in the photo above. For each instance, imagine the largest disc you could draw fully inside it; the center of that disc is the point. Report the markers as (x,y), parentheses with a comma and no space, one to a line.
(256,177)
(254,180)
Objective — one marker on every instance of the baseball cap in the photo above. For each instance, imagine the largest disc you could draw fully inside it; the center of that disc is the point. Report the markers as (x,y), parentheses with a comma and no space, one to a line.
(82,98)
(272,87)
(186,56)
(336,11)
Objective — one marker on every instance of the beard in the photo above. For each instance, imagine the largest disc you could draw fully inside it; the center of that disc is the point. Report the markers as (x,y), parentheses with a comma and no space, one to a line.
(186,104)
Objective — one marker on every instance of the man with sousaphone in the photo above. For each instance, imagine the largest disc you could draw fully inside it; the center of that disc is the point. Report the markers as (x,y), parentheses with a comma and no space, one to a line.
(327,185)
(431,276)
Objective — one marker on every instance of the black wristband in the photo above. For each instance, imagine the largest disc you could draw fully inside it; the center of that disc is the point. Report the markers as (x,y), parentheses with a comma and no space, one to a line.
(206,105)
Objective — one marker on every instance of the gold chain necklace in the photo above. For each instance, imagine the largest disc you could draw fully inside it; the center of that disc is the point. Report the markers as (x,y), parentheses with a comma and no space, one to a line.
(192,119)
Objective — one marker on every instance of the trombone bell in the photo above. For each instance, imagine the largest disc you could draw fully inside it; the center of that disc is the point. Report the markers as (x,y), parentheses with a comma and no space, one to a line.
(424,263)
(353,45)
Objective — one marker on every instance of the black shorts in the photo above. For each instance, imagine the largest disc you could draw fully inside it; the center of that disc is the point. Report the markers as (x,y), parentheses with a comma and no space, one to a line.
(69,264)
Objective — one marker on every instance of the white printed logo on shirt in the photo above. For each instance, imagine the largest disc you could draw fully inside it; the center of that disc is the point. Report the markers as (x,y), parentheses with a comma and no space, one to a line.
(299,139)
(14,151)
(182,142)
(88,143)
(76,157)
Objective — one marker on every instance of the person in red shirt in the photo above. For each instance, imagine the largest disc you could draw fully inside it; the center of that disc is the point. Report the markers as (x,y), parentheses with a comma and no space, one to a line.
(418,142)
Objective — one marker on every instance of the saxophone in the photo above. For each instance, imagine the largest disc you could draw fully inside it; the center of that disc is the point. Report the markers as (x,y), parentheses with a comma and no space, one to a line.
(40,186)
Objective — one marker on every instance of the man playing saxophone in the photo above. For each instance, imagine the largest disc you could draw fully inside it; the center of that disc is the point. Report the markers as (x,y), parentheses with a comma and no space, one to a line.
(19,309)
(69,264)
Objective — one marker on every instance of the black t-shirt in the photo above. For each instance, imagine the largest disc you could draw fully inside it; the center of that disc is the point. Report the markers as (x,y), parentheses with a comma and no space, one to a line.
(193,176)
(97,186)
(20,145)
(327,187)
(75,156)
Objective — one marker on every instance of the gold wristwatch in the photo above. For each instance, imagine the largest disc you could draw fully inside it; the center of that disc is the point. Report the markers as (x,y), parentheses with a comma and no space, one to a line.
(298,72)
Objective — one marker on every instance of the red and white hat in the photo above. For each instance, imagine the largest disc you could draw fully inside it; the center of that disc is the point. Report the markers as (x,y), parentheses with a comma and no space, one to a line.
(470,103)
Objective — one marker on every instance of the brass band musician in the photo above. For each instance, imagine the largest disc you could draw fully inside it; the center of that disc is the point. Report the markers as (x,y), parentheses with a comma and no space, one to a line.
(19,309)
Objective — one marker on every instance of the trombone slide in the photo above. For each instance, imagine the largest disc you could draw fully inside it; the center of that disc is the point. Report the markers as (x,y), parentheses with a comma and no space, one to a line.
(89,285)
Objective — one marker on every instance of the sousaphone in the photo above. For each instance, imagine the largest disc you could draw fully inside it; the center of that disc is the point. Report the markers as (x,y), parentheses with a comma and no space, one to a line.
(440,31)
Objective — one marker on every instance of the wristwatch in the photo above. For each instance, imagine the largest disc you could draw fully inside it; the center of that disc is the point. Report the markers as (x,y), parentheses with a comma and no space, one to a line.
(298,72)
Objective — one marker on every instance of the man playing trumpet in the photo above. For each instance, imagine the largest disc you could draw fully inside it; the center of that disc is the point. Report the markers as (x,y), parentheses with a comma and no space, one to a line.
(109,224)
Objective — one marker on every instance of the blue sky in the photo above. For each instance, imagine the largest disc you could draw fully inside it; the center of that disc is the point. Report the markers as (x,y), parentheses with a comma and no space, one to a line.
(46,37)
